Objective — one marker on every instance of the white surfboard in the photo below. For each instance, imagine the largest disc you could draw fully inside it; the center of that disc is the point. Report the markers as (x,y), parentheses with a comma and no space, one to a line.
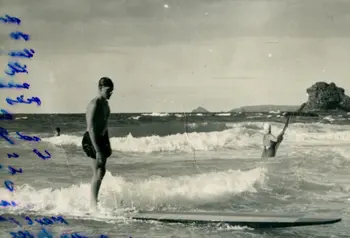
(254,220)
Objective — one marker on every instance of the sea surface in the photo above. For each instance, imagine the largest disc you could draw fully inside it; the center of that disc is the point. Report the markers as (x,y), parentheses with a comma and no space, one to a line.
(179,162)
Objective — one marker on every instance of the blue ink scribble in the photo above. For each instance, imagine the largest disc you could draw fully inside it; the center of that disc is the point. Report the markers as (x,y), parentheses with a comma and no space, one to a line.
(20,99)
(4,133)
(13,155)
(24,234)
(41,155)
(44,221)
(41,221)
(24,53)
(72,235)
(15,67)
(9,185)
(14,221)
(9,19)
(44,234)
(59,219)
(13,171)
(30,222)
(14,85)
(76,235)
(29,138)
(47,220)
(17,35)
(5,115)
(4,203)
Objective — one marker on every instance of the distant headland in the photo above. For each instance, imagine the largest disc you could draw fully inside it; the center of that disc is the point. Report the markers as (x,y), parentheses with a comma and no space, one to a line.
(266,108)
(323,98)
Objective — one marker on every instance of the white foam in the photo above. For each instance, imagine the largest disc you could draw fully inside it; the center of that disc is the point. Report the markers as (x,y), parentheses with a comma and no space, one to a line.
(156,114)
(223,114)
(240,135)
(118,195)
(329,118)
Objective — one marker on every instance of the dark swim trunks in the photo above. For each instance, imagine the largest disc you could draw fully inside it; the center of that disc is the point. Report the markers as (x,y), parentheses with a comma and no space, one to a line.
(102,141)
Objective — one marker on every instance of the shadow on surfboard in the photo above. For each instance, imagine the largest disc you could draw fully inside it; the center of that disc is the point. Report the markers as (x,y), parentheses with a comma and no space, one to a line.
(253,220)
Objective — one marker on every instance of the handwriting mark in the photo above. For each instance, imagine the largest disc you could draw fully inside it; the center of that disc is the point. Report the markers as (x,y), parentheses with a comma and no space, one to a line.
(29,138)
(13,155)
(41,155)
(25,234)
(4,133)
(25,53)
(9,185)
(17,35)
(14,85)
(20,99)
(9,19)
(14,221)
(13,171)
(15,67)
(4,203)
(5,115)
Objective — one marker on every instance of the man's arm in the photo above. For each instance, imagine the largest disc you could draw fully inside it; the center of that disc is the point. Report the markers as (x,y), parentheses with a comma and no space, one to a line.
(285,126)
(280,136)
(91,116)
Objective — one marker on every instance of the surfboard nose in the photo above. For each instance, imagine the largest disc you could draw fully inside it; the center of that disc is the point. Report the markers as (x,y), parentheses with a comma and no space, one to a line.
(319,219)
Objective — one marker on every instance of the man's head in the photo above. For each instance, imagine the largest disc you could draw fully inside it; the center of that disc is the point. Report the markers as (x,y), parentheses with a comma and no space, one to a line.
(267,128)
(106,87)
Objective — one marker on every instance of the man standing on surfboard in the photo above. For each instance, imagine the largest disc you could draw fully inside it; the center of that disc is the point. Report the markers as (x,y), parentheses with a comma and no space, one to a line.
(270,142)
(95,141)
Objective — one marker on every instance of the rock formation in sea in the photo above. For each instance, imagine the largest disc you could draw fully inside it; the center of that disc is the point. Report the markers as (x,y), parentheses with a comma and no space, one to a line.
(326,97)
(200,110)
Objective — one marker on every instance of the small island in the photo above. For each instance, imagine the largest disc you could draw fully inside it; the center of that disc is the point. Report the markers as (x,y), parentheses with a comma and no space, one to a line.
(200,110)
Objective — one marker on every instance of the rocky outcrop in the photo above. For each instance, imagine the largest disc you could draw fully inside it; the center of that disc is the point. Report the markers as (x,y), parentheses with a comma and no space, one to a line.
(325,97)
(200,110)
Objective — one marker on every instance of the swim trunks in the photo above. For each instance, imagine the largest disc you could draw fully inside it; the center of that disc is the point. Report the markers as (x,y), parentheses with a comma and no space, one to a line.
(102,141)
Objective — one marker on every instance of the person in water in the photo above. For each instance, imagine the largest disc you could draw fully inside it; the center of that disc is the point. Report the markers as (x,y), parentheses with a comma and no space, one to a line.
(270,142)
(57,131)
(95,141)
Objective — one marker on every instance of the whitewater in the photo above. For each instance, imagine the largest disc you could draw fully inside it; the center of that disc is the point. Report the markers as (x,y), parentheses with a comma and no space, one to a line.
(181,162)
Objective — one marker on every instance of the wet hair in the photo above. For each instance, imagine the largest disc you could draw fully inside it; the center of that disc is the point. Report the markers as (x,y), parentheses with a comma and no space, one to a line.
(105,82)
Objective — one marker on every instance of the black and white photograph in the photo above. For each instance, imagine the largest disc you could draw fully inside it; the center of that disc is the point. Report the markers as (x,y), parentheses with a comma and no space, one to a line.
(174,118)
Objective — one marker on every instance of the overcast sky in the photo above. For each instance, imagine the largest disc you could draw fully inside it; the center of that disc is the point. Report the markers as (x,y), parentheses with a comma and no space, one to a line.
(179,54)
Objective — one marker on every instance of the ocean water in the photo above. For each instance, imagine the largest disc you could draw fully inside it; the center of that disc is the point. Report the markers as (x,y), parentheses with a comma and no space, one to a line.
(179,162)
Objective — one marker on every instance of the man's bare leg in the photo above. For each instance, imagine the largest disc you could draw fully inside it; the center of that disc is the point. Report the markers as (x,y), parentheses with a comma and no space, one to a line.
(98,174)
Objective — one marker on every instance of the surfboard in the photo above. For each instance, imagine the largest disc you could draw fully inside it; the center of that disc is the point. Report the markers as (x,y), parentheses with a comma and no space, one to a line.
(253,220)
